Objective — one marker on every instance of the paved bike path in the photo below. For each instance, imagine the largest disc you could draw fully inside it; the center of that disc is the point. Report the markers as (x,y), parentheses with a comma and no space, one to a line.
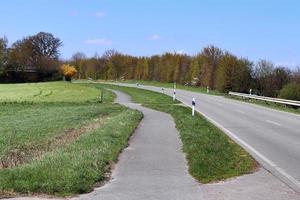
(153,166)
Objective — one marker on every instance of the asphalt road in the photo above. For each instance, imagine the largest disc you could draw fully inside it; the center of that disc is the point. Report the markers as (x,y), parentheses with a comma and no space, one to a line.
(271,136)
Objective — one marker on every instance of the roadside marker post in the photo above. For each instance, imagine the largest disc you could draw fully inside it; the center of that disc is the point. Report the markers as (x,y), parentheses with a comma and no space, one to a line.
(250,91)
(174,92)
(193,106)
(174,95)
(162,90)
(207,89)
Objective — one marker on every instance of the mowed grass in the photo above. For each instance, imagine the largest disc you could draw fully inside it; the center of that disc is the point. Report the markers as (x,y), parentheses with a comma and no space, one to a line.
(62,144)
(47,92)
(75,168)
(211,154)
(29,130)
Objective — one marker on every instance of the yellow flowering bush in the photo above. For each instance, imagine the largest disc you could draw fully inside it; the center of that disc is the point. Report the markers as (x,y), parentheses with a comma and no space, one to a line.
(68,71)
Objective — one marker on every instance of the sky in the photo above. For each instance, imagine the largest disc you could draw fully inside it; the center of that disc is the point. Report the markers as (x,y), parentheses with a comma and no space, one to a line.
(254,29)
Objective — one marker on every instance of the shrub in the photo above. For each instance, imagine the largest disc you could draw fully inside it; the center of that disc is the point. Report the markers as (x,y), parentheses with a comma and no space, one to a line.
(68,71)
(290,91)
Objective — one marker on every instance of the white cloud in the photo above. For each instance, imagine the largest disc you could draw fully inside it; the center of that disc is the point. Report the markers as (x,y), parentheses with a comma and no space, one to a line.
(155,37)
(98,41)
(99,14)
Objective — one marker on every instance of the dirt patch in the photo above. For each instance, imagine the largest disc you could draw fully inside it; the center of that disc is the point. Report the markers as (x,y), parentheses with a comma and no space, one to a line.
(7,194)
(25,153)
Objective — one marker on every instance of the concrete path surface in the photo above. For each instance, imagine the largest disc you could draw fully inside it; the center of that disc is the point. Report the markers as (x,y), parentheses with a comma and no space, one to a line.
(153,167)
(260,185)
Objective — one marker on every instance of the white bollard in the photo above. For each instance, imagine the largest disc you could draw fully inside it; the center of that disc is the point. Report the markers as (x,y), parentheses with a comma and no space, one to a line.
(162,90)
(193,106)
(174,95)
(207,89)
(250,91)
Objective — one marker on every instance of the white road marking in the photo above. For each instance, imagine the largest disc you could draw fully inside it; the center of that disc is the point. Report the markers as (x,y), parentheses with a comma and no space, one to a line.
(295,183)
(275,123)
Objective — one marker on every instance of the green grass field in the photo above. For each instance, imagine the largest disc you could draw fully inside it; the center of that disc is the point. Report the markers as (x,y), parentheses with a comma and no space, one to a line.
(211,154)
(59,144)
(47,92)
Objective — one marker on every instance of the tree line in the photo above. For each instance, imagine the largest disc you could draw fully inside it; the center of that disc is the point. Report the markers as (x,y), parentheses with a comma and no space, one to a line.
(212,67)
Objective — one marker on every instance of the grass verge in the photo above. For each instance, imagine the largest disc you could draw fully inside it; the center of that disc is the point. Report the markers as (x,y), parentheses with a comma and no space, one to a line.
(211,154)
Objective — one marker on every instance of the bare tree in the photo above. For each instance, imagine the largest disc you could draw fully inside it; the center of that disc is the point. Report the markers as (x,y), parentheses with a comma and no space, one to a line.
(40,52)
(263,77)
(45,45)
(296,75)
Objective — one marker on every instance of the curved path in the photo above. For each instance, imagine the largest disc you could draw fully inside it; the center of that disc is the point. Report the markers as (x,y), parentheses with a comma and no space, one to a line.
(153,166)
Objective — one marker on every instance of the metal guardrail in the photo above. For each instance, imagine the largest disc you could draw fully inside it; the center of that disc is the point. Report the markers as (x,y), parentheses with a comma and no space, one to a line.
(268,99)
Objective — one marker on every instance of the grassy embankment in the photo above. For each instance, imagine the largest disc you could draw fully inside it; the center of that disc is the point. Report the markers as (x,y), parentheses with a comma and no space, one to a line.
(56,138)
(211,154)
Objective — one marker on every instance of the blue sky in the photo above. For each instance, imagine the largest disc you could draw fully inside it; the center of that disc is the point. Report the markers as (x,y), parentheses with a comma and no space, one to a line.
(256,29)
